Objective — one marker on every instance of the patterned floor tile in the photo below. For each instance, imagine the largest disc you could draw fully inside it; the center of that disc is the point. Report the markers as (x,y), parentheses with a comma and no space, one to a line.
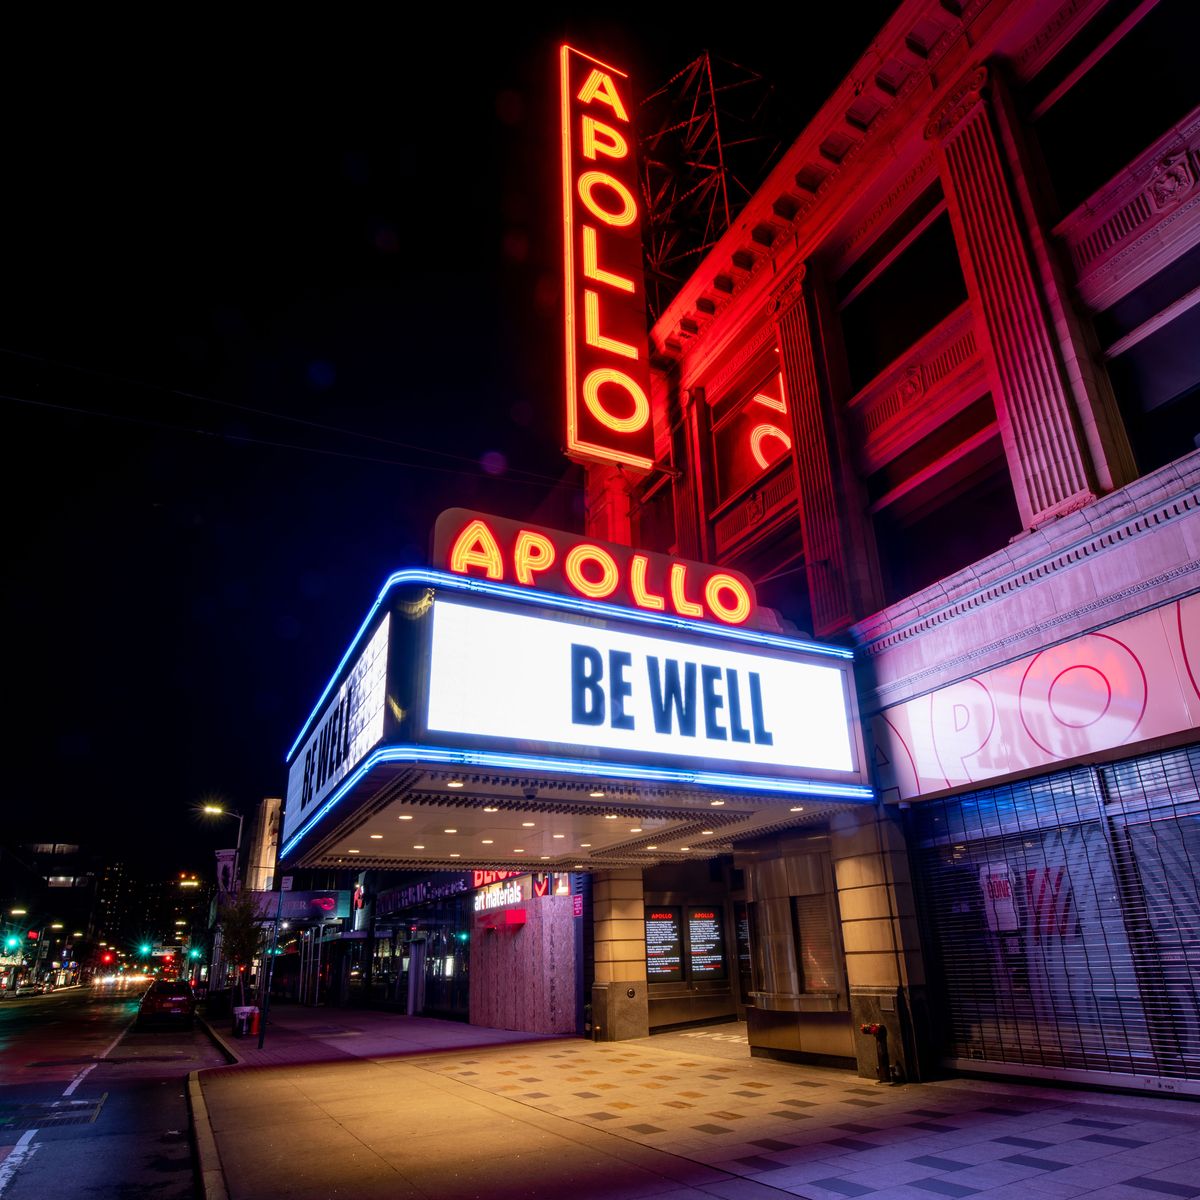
(944,1187)
(710,1128)
(1164,1187)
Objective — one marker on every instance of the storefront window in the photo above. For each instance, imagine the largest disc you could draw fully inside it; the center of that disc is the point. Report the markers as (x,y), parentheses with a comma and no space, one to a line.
(753,435)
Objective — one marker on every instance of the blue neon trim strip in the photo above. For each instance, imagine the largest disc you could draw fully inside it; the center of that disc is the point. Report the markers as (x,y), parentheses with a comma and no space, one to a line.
(572,766)
(592,608)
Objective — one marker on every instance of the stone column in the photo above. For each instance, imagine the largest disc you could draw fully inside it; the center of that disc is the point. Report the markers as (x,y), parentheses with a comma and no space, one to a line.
(1040,424)
(884,968)
(619,939)
(839,558)
(609,505)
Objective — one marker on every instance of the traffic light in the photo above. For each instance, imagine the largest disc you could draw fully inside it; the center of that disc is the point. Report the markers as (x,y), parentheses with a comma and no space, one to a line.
(194,952)
(12,942)
(106,958)
(144,948)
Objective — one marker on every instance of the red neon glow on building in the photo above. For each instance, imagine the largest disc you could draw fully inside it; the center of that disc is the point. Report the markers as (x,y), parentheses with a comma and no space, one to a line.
(608,407)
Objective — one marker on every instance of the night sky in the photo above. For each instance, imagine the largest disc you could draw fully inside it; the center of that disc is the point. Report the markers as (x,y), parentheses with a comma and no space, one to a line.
(273,298)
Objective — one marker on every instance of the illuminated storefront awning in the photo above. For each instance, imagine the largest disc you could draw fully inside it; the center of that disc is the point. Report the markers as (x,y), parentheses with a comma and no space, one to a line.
(617,735)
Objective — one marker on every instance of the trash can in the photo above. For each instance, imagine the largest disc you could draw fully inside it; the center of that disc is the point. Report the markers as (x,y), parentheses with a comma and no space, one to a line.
(243,1018)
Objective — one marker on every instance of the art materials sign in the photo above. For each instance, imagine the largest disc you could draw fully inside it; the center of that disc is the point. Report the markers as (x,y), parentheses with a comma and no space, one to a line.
(570,685)
(477,544)
(607,367)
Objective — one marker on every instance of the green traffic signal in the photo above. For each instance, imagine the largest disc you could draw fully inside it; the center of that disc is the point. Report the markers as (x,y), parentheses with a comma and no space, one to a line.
(144,948)
(11,942)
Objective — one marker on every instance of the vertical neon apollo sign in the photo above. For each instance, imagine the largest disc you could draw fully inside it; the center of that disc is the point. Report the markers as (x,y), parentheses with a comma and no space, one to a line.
(608,373)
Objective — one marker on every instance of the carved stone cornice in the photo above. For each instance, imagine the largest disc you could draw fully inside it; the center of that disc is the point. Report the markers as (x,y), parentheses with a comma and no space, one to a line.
(784,297)
(962,98)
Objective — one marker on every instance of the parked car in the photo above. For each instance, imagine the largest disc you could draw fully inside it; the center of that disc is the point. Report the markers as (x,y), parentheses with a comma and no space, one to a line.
(168,1001)
(27,987)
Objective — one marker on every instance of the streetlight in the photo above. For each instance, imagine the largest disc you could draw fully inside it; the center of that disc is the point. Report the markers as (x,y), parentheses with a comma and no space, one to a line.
(218,810)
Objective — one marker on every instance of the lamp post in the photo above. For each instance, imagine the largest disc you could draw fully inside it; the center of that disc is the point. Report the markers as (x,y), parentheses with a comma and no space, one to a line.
(219,810)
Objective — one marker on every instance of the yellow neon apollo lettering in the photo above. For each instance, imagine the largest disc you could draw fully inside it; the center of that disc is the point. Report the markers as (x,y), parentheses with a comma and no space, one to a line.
(573,569)
(599,138)
(599,87)
(733,614)
(642,597)
(476,546)
(591,329)
(628,212)
(531,552)
(595,380)
(683,606)
(592,268)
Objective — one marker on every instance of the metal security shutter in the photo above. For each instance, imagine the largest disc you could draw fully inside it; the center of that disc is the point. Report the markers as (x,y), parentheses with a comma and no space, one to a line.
(1062,919)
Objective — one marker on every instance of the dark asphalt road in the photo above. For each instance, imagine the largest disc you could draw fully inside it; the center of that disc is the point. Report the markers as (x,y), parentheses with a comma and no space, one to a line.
(89,1106)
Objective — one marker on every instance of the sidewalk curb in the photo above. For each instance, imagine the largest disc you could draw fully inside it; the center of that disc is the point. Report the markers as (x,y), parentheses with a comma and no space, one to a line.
(221,1044)
(212,1178)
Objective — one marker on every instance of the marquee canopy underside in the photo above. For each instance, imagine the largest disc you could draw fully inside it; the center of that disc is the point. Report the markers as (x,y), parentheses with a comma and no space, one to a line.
(410,816)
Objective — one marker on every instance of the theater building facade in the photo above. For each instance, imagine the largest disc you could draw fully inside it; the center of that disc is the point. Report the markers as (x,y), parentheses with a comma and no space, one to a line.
(935,399)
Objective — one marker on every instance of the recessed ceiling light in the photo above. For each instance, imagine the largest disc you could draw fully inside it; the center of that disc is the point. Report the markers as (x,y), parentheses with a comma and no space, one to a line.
(456,856)
(527,824)
(585,845)
(404,817)
(545,856)
(455,783)
(610,816)
(578,866)
(353,852)
(560,835)
(651,847)
(682,848)
(449,830)
(491,808)
(376,837)
(489,841)
(798,808)
(418,847)
(706,832)
(636,829)
(596,795)
(716,803)
(518,850)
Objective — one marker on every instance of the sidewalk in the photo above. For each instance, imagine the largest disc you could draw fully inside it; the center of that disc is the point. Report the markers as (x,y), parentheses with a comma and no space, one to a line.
(466,1112)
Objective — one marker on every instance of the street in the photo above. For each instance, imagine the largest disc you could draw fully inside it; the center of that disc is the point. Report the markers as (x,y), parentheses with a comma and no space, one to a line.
(91,1106)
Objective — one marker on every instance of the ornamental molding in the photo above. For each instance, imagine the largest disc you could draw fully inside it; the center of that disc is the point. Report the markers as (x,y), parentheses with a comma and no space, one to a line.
(717,384)
(1173,178)
(789,293)
(871,221)
(963,97)
(1004,650)
(1053,35)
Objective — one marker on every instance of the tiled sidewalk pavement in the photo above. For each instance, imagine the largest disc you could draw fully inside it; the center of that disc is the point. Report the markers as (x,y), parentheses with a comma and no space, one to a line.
(827,1135)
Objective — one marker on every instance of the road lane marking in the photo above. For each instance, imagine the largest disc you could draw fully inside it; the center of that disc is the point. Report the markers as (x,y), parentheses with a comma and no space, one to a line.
(79,1079)
(20,1153)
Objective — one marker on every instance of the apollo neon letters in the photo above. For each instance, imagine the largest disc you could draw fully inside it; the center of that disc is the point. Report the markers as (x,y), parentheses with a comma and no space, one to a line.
(487,547)
(607,368)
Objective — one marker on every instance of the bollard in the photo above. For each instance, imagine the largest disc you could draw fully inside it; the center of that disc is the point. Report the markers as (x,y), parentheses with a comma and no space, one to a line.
(883,1068)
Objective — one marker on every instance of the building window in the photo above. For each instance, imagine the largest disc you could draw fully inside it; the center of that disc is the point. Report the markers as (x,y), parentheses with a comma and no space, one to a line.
(913,289)
(751,435)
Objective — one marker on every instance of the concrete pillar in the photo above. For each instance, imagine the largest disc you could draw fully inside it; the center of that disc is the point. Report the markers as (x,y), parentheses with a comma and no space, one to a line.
(839,560)
(609,505)
(884,968)
(1041,420)
(619,940)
